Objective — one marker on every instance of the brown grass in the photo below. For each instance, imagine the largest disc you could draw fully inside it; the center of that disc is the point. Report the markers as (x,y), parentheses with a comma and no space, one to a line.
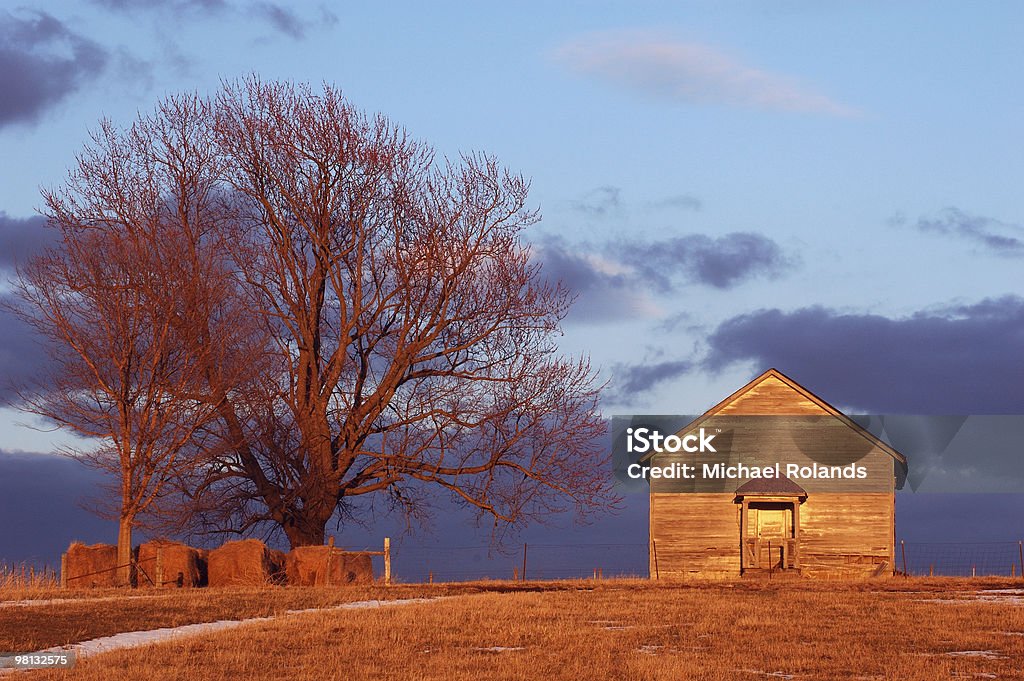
(26,581)
(87,614)
(617,630)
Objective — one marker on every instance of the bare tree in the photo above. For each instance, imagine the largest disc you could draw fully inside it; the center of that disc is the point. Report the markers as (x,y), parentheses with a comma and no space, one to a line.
(405,339)
(121,302)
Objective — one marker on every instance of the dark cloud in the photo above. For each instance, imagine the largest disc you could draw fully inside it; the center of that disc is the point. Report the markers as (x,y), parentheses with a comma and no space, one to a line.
(721,262)
(959,360)
(42,61)
(23,357)
(999,237)
(600,202)
(41,497)
(21,238)
(631,380)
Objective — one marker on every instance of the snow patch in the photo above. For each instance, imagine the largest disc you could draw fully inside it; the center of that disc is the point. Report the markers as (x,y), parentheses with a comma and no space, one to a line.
(133,639)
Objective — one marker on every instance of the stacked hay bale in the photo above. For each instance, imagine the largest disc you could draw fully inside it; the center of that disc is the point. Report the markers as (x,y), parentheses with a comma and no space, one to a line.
(326,565)
(168,563)
(91,566)
(244,563)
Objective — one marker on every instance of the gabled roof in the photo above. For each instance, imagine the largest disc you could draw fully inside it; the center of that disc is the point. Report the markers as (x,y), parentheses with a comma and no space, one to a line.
(770,487)
(810,397)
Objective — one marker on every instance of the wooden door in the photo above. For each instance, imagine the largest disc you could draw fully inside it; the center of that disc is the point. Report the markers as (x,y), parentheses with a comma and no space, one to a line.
(768,525)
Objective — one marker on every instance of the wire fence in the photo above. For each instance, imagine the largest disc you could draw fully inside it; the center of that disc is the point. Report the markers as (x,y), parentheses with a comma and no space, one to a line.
(961,559)
(522,561)
(583,561)
(548,561)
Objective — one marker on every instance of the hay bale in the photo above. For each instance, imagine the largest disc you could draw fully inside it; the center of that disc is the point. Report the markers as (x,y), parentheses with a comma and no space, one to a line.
(324,565)
(91,566)
(247,562)
(179,564)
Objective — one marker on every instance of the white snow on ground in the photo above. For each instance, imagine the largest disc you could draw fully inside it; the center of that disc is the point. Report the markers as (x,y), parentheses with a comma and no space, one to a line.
(133,639)
(987,654)
(998,596)
(761,672)
(33,602)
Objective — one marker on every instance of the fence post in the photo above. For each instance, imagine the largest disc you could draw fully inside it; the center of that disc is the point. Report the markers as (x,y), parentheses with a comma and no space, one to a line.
(387,560)
(657,573)
(524,561)
(63,570)
(903,550)
(159,567)
(1020,549)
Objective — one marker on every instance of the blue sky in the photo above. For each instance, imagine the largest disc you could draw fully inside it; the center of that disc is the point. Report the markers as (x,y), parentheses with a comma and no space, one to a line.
(832,188)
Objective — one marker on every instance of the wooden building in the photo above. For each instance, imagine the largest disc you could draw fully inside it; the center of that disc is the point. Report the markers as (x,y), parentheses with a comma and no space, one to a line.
(788,525)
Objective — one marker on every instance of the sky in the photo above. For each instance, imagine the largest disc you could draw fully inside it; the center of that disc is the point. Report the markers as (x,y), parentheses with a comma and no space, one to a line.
(832,189)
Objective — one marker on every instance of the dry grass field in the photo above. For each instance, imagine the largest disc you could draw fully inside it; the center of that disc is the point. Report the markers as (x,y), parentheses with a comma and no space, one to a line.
(906,629)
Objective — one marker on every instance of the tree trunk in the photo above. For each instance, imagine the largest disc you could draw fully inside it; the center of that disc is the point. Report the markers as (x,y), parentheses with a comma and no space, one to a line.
(124,551)
(306,530)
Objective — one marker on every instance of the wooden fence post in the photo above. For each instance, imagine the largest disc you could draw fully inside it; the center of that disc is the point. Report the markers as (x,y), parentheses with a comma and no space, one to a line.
(159,567)
(387,560)
(1020,548)
(524,562)
(903,550)
(654,546)
(329,561)
(63,570)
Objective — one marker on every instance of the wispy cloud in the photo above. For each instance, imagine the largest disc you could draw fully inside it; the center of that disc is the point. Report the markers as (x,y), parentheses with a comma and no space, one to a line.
(630,381)
(600,201)
(721,262)
(278,15)
(690,72)
(1002,238)
(619,279)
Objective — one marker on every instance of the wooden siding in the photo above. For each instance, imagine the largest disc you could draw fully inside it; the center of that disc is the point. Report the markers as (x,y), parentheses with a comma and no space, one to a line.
(758,442)
(847,535)
(771,396)
(841,535)
(695,535)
